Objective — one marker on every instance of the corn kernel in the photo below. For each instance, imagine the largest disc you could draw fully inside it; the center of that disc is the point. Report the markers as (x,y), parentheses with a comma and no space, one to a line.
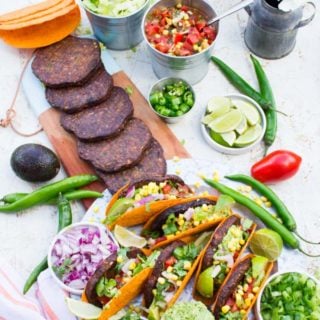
(196,223)
(165,32)
(247,188)
(250,296)
(201,175)
(195,47)
(132,266)
(126,279)
(264,199)
(255,289)
(242,242)
(242,311)
(240,292)
(181,216)
(205,193)
(268,204)
(249,279)
(162,184)
(157,36)
(258,202)
(187,265)
(180,222)
(137,197)
(169,269)
(173,277)
(238,296)
(178,171)
(174,31)
(96,209)
(225,309)
(197,184)
(154,292)
(119,259)
(169,21)
(170,236)
(245,287)
(178,232)
(247,302)
(179,5)
(161,280)
(179,283)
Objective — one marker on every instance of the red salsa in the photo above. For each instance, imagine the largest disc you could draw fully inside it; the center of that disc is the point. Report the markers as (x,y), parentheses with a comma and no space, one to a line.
(179,30)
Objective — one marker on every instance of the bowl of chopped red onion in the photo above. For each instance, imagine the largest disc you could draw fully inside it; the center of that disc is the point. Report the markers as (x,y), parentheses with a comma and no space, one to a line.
(76,252)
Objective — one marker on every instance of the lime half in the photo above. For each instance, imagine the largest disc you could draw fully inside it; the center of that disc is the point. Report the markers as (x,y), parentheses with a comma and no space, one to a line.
(249,111)
(266,243)
(83,310)
(127,238)
(219,106)
(227,122)
(249,136)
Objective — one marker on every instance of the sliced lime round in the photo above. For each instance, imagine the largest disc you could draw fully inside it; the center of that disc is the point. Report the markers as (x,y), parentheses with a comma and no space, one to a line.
(227,122)
(249,136)
(219,106)
(249,111)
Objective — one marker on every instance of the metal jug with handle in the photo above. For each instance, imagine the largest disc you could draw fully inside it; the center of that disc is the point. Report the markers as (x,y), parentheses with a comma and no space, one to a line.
(270,32)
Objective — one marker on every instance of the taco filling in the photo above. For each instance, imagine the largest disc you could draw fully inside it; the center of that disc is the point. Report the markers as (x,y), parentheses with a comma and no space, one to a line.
(144,192)
(221,254)
(169,274)
(181,218)
(116,271)
(245,282)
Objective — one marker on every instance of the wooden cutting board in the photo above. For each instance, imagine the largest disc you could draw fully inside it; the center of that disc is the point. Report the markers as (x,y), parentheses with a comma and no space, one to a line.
(65,143)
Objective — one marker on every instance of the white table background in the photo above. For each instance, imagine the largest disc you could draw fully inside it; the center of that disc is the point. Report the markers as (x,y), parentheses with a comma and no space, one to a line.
(24,238)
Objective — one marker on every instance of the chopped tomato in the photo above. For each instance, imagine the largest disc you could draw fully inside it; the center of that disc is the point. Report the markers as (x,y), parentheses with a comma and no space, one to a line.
(234,308)
(178,38)
(193,36)
(200,25)
(210,33)
(163,47)
(166,189)
(152,29)
(104,300)
(185,8)
(170,262)
(230,302)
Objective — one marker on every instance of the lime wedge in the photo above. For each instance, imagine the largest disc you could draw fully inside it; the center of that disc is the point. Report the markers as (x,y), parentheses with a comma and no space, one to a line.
(217,138)
(242,127)
(205,283)
(83,310)
(248,110)
(229,137)
(249,136)
(127,238)
(227,122)
(219,106)
(266,243)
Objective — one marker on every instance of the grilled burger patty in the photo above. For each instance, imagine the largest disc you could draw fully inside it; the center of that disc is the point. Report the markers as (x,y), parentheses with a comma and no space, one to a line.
(75,99)
(69,62)
(121,152)
(103,121)
(152,164)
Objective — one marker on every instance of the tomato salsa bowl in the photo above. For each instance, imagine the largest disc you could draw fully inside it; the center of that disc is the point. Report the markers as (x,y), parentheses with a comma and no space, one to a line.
(179,40)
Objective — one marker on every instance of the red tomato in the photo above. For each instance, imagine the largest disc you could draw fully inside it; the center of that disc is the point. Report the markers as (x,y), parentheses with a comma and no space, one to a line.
(184,8)
(104,300)
(178,38)
(163,47)
(166,189)
(200,25)
(193,36)
(170,262)
(152,29)
(276,166)
(210,33)
(230,302)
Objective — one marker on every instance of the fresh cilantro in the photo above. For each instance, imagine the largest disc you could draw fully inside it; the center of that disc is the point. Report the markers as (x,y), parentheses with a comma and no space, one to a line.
(188,252)
(151,234)
(106,288)
(131,315)
(170,225)
(146,262)
(179,270)
(61,270)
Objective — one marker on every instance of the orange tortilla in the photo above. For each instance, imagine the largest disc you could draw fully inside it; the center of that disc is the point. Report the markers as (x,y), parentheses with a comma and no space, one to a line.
(39,14)
(21,13)
(195,294)
(45,33)
(267,271)
(126,294)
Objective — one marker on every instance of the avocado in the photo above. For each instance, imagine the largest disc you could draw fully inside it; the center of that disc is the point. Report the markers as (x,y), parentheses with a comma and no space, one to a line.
(34,163)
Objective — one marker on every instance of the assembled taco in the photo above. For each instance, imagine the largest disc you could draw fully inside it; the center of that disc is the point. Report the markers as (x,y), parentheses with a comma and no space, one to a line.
(118,280)
(136,203)
(171,273)
(185,219)
(240,289)
(226,245)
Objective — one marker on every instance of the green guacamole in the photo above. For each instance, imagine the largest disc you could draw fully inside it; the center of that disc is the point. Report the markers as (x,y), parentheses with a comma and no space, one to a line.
(192,310)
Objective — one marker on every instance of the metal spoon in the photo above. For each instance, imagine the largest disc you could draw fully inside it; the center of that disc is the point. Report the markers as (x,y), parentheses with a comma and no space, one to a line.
(232,10)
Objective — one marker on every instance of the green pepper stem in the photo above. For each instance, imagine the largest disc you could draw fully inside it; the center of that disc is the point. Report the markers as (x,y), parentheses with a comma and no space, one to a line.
(305,240)
(308,254)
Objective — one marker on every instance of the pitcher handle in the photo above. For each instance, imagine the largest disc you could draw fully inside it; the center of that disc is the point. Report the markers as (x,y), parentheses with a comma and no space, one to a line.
(306,21)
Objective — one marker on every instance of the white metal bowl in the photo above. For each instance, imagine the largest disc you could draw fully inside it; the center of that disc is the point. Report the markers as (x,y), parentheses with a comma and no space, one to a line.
(72,226)
(258,302)
(231,150)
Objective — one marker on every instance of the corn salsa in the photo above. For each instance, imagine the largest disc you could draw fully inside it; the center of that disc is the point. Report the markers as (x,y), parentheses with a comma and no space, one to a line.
(179,30)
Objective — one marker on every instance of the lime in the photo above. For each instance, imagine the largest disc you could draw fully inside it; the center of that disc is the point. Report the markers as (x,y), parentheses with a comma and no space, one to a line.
(248,110)
(219,106)
(83,310)
(249,136)
(242,127)
(266,243)
(118,208)
(127,238)
(217,138)
(205,283)
(229,137)
(226,122)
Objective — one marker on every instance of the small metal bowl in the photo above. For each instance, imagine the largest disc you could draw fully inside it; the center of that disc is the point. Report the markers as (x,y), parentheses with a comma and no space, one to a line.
(158,86)
(231,150)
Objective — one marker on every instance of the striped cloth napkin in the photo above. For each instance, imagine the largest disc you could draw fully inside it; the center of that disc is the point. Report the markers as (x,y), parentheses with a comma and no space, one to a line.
(47,302)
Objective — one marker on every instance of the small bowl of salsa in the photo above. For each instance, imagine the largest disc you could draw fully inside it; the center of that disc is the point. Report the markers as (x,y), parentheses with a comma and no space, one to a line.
(179,39)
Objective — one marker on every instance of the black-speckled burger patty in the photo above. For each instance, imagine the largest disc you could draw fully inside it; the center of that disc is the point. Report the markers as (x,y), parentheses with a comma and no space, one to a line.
(152,164)
(75,99)
(102,121)
(120,152)
(69,62)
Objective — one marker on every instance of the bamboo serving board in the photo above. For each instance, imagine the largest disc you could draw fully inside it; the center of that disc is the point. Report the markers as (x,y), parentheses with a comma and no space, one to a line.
(65,143)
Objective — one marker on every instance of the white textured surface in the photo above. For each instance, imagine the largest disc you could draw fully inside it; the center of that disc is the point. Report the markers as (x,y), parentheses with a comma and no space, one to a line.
(24,238)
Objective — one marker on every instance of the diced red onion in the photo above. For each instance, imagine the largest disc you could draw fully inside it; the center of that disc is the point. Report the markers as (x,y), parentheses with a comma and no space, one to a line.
(188,214)
(228,258)
(130,192)
(125,267)
(216,271)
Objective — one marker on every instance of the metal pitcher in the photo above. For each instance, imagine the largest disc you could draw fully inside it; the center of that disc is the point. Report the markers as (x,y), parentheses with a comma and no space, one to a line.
(270,32)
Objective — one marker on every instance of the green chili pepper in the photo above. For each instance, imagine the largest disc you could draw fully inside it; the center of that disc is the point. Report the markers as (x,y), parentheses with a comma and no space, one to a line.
(48,192)
(266,93)
(71,195)
(65,219)
(281,209)
(261,213)
(241,84)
